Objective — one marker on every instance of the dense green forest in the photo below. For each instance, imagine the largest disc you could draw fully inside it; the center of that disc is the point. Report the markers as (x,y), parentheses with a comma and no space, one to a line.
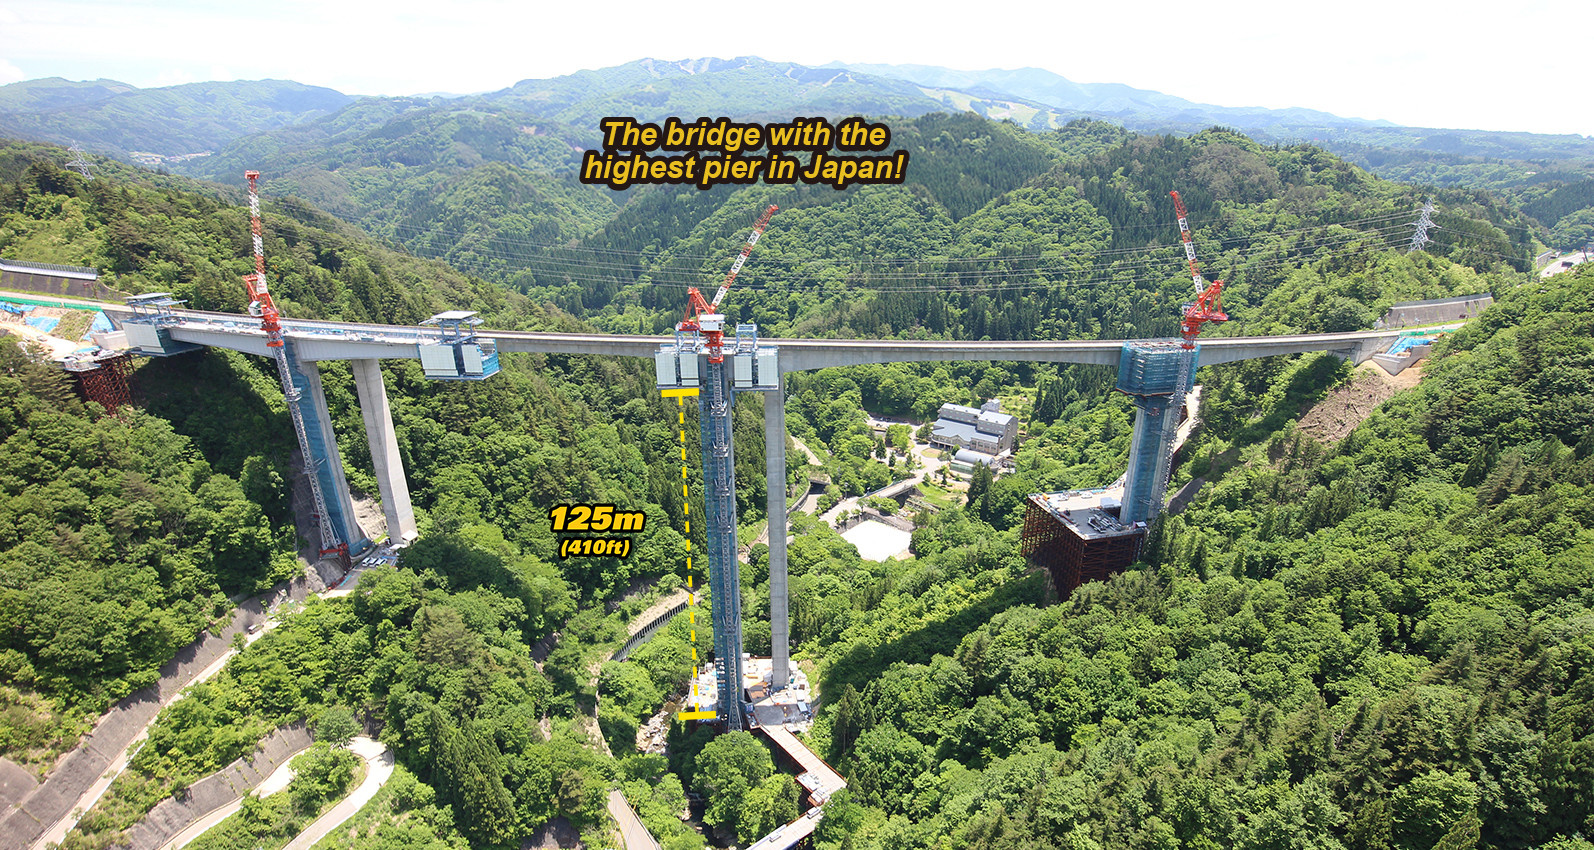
(1378,643)
(112,117)
(127,540)
(1032,244)
(406,168)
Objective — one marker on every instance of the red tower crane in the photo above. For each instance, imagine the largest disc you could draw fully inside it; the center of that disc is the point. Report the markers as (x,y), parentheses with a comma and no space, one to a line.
(704,316)
(260,303)
(1208,306)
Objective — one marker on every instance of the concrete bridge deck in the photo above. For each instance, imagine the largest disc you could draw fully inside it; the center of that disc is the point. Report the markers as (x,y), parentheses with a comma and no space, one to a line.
(317,340)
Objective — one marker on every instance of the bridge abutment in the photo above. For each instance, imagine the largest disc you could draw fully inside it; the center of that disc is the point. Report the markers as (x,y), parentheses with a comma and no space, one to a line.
(394,487)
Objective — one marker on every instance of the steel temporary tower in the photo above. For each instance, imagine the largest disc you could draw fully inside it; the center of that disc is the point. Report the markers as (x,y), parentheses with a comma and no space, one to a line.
(697,359)
(332,543)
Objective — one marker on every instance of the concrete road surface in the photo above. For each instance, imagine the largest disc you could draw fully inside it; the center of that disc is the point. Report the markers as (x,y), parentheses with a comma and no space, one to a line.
(633,835)
(379,761)
(277,781)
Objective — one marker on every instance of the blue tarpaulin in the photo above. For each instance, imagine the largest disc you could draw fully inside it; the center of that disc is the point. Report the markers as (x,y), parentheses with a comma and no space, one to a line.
(43,323)
(101,325)
(1407,342)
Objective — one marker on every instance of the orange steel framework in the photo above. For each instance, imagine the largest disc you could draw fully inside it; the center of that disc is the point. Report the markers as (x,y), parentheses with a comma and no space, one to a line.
(1071,559)
(108,384)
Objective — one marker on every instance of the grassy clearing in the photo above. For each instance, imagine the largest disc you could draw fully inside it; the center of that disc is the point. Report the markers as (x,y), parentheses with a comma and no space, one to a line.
(33,733)
(74,324)
(939,496)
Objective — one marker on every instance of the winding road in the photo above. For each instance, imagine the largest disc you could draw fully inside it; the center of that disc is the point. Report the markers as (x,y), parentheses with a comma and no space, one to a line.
(379,768)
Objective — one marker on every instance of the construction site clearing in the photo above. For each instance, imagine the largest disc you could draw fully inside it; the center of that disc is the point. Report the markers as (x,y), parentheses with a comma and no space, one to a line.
(790,707)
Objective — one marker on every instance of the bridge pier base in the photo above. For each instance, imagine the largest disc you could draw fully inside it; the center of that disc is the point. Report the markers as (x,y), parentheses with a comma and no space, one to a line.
(389,465)
(775,482)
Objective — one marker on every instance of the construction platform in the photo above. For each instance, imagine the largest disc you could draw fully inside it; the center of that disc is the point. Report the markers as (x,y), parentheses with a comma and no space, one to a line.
(790,707)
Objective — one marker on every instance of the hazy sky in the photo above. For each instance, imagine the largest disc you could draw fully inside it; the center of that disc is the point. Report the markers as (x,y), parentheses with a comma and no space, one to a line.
(1516,67)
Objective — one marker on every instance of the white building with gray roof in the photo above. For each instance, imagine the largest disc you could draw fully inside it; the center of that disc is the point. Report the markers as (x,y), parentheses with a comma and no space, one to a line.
(986,429)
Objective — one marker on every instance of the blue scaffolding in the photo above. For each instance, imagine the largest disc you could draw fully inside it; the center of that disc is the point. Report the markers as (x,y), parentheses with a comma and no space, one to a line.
(1156,374)
(747,367)
(719,532)
(319,448)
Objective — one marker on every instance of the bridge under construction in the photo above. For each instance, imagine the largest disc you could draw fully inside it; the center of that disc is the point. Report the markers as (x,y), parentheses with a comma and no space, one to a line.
(706,359)
(468,352)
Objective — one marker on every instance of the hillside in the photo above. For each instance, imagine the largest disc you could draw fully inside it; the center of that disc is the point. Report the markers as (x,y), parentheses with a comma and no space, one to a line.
(1003,233)
(490,192)
(1381,643)
(141,525)
(303,131)
(117,119)
(747,87)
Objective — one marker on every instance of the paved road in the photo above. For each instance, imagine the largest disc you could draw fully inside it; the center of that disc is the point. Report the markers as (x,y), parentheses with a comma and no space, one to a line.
(277,781)
(807,452)
(253,618)
(379,768)
(633,835)
(80,776)
(57,833)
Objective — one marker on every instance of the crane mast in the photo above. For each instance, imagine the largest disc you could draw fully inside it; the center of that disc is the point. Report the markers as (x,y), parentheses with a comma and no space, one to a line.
(719,474)
(260,304)
(1206,308)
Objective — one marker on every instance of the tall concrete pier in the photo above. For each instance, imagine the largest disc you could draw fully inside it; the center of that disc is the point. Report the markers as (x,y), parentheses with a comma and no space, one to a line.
(389,467)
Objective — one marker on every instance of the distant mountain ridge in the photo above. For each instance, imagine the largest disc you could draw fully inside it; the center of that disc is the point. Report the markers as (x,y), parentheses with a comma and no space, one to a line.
(1105,100)
(51,93)
(115,118)
(292,122)
(746,87)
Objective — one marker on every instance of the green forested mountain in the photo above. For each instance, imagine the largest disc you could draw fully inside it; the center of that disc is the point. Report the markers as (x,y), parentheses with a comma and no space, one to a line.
(125,535)
(1373,644)
(469,184)
(52,93)
(1137,109)
(116,119)
(1383,642)
(748,88)
(1002,233)
(363,159)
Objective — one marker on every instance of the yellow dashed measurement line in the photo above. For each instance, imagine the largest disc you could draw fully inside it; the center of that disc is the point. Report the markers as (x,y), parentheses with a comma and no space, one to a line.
(691,593)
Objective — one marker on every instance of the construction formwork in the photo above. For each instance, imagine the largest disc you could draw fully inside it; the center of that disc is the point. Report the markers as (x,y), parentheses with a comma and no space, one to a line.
(746,366)
(319,450)
(719,534)
(1156,374)
(105,380)
(1071,556)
